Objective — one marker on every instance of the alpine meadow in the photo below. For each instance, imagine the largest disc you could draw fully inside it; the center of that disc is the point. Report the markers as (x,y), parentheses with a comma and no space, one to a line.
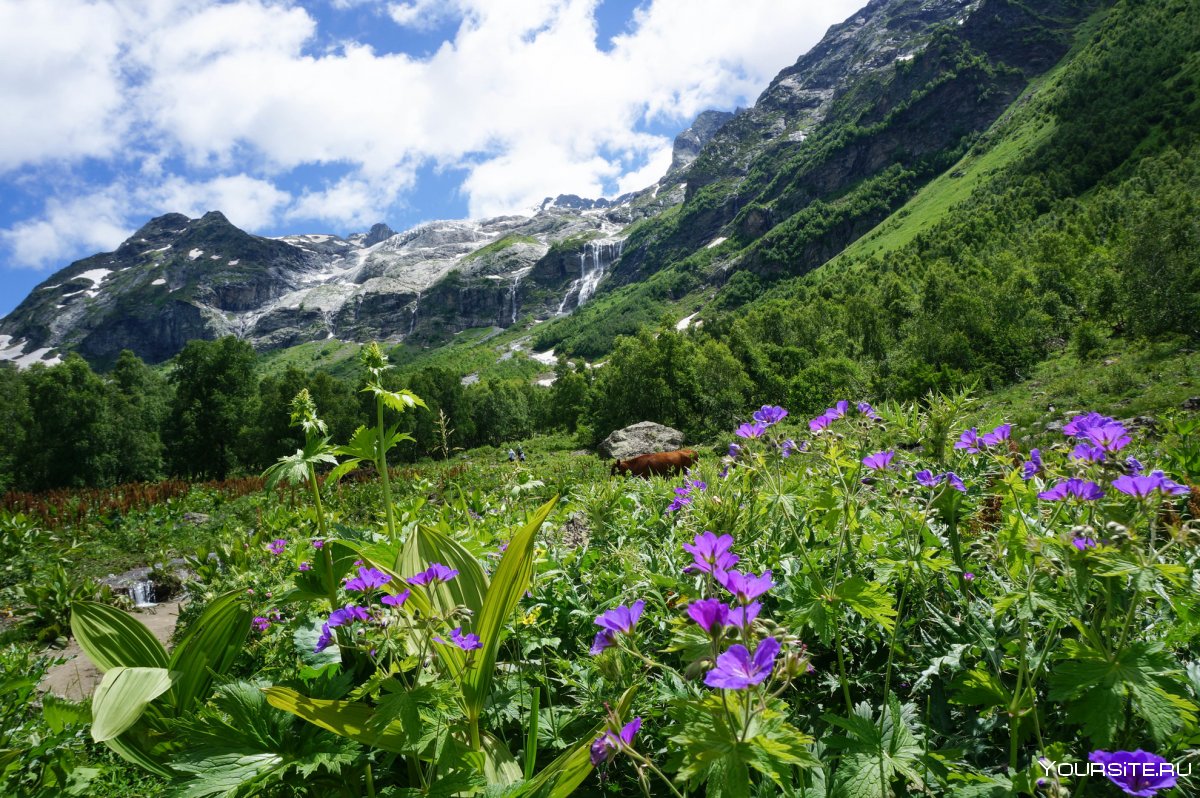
(916,511)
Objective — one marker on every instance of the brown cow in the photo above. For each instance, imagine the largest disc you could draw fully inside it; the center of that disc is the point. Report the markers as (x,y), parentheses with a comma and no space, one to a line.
(661,463)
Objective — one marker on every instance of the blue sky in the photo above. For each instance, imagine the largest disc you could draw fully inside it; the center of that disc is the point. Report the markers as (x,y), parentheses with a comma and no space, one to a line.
(330,115)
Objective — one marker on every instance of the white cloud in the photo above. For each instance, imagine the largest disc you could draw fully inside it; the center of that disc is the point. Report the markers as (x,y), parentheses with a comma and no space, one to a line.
(522,99)
(59,89)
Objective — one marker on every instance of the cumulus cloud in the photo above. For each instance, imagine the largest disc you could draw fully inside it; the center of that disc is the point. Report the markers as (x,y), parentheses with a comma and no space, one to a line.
(522,99)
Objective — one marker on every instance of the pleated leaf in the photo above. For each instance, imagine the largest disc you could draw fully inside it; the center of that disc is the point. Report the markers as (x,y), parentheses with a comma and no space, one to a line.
(123,696)
(113,639)
(212,643)
(349,719)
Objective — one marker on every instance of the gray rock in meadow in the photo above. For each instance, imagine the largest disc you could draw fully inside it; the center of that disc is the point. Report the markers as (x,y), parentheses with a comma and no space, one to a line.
(641,438)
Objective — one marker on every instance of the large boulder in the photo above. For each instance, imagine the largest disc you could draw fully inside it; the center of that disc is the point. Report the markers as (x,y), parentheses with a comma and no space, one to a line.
(641,438)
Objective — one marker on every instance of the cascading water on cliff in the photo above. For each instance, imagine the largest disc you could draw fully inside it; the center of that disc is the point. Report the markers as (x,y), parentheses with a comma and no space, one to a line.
(594,261)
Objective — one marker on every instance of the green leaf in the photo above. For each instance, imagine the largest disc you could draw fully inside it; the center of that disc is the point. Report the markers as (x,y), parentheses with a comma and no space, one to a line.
(397,400)
(870,600)
(60,713)
(512,579)
(112,638)
(122,697)
(349,719)
(212,643)
(224,773)
(427,545)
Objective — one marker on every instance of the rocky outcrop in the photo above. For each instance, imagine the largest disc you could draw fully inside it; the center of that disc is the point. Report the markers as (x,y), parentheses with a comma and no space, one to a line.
(641,438)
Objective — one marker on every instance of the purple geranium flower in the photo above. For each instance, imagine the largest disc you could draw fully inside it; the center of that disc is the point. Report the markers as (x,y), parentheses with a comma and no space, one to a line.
(740,617)
(746,587)
(1079,425)
(610,742)
(969,440)
(318,543)
(820,422)
(277,546)
(1109,437)
(787,447)
(1033,465)
(880,461)
(622,619)
(603,639)
(752,430)
(324,640)
(348,614)
(1169,486)
(1139,772)
(260,623)
(436,572)
(1142,487)
(926,478)
(1134,465)
(1083,544)
(997,435)
(955,481)
(304,566)
(396,600)
(736,669)
(367,579)
(465,642)
(770,414)
(1072,488)
(734,450)
(1088,453)
(711,614)
(711,553)
(868,411)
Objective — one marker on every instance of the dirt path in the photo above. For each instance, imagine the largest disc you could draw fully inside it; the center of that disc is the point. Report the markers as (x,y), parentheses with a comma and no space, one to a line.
(77,677)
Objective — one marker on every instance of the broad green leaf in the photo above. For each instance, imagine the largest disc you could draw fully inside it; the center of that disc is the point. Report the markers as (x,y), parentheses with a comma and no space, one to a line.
(132,749)
(224,773)
(512,579)
(113,639)
(60,713)
(345,718)
(122,697)
(427,545)
(212,643)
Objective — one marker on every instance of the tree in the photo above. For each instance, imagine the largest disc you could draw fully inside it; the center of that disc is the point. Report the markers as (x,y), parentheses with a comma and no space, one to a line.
(69,438)
(138,398)
(214,383)
(14,418)
(568,395)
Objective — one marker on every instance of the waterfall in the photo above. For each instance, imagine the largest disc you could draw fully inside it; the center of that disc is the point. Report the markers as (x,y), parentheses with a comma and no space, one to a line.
(413,322)
(142,593)
(594,261)
(512,289)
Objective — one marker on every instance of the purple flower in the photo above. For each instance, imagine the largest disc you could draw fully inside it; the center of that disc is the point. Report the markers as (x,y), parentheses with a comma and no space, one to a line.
(324,640)
(396,600)
(465,642)
(955,481)
(839,408)
(1072,488)
(724,473)
(997,435)
(260,623)
(610,742)
(304,566)
(622,619)
(926,478)
(1134,465)
(969,577)
(1083,544)
(770,414)
(277,546)
(603,639)
(1109,437)
(754,430)
(1169,486)
(1142,487)
(746,587)
(1079,425)
(710,553)
(698,484)
(318,543)
(1033,465)
(740,617)
(367,579)
(1139,772)
(868,411)
(880,461)
(1088,453)
(348,614)
(969,440)
(435,573)
(788,446)
(734,450)
(820,422)
(737,670)
(711,614)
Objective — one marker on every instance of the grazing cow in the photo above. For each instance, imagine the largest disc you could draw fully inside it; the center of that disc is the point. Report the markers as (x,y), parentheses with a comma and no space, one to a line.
(661,463)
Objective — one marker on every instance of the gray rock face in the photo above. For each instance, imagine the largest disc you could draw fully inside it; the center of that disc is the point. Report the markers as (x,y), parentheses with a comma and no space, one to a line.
(644,437)
(689,143)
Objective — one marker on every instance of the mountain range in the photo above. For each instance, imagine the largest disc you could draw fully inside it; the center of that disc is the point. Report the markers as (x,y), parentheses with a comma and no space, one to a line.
(887,103)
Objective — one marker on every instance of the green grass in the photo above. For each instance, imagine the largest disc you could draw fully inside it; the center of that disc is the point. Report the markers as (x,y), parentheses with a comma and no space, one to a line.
(499,245)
